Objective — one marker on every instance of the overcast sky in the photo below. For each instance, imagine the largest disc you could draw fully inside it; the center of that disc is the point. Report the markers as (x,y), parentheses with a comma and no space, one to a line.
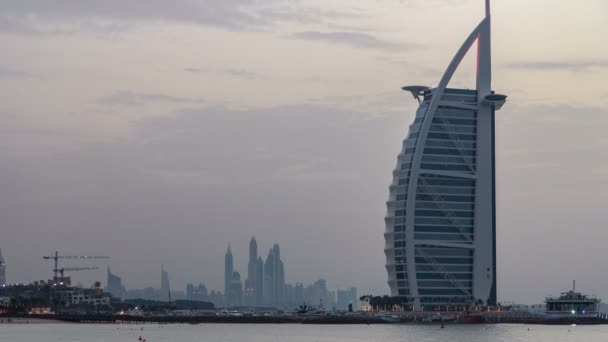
(158,131)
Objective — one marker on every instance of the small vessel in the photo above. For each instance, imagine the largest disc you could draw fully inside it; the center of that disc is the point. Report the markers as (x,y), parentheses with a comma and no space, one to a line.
(385,316)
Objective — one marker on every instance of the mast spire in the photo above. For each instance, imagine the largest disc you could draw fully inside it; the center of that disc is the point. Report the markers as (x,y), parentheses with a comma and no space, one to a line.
(484,55)
(487,8)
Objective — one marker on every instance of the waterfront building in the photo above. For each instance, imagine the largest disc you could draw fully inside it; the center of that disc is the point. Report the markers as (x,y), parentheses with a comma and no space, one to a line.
(347,297)
(572,304)
(2,269)
(441,213)
(115,287)
(165,288)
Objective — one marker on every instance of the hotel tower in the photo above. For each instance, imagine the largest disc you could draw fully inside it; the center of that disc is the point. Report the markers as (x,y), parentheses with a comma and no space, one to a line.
(441,213)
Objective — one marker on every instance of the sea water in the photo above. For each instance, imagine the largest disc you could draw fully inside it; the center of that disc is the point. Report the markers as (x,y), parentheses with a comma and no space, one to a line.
(51,332)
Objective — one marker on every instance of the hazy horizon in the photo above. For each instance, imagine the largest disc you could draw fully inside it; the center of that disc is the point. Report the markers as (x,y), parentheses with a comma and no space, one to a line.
(158,132)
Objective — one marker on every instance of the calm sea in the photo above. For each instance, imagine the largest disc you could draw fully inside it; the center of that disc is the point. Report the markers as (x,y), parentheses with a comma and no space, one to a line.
(299,333)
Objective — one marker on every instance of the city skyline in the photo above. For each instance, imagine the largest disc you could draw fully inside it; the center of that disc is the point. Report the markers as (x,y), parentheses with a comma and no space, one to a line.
(116,285)
(126,130)
(269,287)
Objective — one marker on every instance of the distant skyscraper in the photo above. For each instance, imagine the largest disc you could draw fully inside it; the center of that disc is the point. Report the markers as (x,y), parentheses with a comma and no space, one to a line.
(346,297)
(274,277)
(289,296)
(251,282)
(189,292)
(317,295)
(269,276)
(216,298)
(236,290)
(115,287)
(201,293)
(228,269)
(299,294)
(259,282)
(233,286)
(441,213)
(2,269)
(165,288)
(198,293)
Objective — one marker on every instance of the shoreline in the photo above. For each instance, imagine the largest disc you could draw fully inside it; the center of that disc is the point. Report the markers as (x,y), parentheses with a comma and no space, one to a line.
(308,320)
(27,320)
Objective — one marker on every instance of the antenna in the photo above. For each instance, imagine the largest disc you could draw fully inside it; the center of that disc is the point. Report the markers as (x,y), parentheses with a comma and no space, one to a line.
(484,55)
(487,8)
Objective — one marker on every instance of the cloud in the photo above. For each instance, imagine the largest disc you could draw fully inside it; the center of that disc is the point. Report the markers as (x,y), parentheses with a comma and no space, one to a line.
(36,25)
(32,16)
(582,65)
(242,73)
(129,98)
(233,72)
(224,13)
(6,73)
(358,40)
(194,70)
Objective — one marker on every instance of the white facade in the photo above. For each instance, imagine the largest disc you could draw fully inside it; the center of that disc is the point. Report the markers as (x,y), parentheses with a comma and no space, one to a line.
(440,223)
(79,296)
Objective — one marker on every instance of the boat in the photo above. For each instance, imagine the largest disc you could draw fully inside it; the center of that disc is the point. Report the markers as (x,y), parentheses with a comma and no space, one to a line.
(386,317)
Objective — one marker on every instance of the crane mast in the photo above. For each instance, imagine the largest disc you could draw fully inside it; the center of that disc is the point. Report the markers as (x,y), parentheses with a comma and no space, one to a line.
(60,270)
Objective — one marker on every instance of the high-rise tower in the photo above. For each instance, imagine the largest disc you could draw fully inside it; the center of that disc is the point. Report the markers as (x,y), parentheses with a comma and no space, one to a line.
(2,269)
(165,288)
(228,270)
(259,280)
(274,277)
(251,288)
(115,287)
(441,213)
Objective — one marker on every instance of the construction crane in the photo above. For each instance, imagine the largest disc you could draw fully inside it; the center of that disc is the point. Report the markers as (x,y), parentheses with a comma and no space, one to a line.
(71,269)
(57,269)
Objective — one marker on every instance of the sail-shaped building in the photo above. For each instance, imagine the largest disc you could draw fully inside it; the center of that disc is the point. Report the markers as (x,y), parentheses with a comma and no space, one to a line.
(441,213)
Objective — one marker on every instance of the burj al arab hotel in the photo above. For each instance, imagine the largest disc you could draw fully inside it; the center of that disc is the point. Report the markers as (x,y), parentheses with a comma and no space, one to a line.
(441,213)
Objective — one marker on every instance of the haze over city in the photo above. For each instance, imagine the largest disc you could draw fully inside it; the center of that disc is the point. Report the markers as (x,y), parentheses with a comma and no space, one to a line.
(157,133)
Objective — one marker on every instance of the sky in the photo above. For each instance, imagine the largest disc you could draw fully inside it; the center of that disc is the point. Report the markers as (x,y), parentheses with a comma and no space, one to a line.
(158,132)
